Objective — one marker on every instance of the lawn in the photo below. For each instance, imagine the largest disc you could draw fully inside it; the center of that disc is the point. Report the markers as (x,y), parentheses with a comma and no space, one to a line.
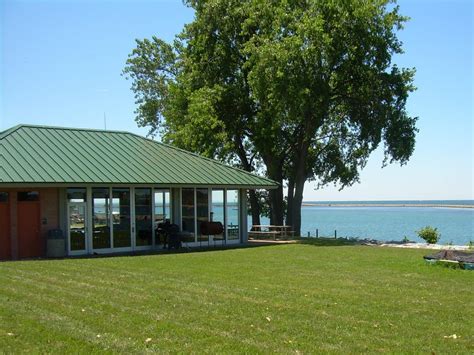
(285,298)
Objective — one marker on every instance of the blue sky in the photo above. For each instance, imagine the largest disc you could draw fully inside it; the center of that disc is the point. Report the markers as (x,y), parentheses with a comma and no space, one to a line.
(61,61)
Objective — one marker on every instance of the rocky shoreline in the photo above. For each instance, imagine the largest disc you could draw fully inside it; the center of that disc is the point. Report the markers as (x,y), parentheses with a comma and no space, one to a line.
(413,245)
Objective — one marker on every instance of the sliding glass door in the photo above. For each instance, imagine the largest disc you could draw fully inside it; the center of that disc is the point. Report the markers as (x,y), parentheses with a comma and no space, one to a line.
(77,220)
(101,218)
(217,211)
(187,215)
(121,218)
(202,212)
(232,215)
(143,217)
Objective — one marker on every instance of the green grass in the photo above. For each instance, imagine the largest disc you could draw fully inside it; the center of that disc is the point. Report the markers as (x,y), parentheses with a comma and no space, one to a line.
(285,298)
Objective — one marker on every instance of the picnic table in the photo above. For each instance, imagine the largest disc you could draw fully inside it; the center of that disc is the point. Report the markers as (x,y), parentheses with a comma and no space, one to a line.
(272,231)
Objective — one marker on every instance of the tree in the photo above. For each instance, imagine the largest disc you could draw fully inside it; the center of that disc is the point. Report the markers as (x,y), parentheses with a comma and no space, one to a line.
(303,90)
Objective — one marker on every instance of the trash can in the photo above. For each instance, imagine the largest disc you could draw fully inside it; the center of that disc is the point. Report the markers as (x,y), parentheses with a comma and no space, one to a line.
(55,244)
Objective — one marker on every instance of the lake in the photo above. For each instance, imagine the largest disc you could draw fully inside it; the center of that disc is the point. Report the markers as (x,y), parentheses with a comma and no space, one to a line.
(456,225)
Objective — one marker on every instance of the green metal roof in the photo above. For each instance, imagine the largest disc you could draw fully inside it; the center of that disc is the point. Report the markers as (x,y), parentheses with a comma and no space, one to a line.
(50,155)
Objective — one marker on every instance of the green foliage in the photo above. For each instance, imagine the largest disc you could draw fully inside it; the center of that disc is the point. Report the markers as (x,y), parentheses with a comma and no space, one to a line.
(429,234)
(296,90)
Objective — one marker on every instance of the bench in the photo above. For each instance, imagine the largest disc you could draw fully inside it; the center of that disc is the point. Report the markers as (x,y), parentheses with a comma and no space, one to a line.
(270,234)
(282,232)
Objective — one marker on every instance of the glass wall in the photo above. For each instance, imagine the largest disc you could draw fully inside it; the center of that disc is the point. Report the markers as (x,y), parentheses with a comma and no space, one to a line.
(162,205)
(77,218)
(217,210)
(121,217)
(187,214)
(143,217)
(101,218)
(232,214)
(202,197)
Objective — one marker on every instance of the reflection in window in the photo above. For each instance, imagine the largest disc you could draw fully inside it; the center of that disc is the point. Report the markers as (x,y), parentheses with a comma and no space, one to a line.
(217,210)
(101,220)
(77,227)
(232,212)
(162,206)
(121,217)
(202,196)
(187,214)
(143,217)
(76,194)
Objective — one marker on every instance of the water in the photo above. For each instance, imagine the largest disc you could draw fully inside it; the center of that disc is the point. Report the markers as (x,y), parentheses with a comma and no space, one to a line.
(456,225)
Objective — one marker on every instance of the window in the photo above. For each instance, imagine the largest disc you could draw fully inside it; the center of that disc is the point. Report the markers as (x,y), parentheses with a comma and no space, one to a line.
(232,214)
(162,205)
(121,217)
(187,214)
(202,196)
(101,220)
(26,196)
(217,210)
(3,197)
(76,195)
(143,217)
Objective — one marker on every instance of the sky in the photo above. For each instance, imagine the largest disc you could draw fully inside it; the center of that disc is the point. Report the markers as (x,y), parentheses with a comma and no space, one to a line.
(61,64)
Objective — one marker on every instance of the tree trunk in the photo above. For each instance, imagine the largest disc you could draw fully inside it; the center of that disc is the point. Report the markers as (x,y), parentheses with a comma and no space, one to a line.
(291,190)
(276,195)
(276,205)
(299,181)
(296,210)
(255,207)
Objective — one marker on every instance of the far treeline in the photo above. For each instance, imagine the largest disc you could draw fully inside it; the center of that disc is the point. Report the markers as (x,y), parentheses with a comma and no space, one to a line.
(296,90)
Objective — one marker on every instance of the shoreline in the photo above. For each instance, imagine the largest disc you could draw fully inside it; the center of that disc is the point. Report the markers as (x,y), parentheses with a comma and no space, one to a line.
(393,243)
(306,204)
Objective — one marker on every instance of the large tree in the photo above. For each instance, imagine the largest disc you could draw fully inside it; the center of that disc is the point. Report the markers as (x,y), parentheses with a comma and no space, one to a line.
(303,90)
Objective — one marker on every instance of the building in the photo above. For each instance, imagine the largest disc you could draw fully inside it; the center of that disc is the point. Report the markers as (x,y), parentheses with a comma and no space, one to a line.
(107,191)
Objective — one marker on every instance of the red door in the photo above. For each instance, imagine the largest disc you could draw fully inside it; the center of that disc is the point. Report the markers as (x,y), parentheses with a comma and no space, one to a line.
(29,238)
(5,246)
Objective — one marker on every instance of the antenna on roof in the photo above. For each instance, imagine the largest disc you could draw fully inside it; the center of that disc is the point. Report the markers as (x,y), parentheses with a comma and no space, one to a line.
(105,122)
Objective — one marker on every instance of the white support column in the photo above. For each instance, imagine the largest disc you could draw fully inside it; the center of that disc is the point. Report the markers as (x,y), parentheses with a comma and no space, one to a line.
(243,216)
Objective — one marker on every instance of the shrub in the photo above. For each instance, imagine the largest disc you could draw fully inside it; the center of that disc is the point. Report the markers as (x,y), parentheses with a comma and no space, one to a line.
(429,234)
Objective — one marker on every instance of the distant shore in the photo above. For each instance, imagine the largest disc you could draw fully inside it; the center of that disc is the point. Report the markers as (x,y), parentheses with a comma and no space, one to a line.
(310,204)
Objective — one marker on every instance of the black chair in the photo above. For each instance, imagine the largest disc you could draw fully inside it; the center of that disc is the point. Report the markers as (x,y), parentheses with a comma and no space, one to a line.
(173,237)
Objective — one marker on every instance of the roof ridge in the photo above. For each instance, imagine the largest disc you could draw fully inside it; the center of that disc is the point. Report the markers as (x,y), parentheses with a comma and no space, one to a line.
(27,125)
(9,131)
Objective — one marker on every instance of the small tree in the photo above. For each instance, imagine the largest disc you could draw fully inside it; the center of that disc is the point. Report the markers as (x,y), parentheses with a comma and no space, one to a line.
(429,234)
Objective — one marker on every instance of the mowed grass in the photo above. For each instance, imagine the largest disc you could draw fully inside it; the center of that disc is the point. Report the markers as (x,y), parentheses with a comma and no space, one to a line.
(285,298)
